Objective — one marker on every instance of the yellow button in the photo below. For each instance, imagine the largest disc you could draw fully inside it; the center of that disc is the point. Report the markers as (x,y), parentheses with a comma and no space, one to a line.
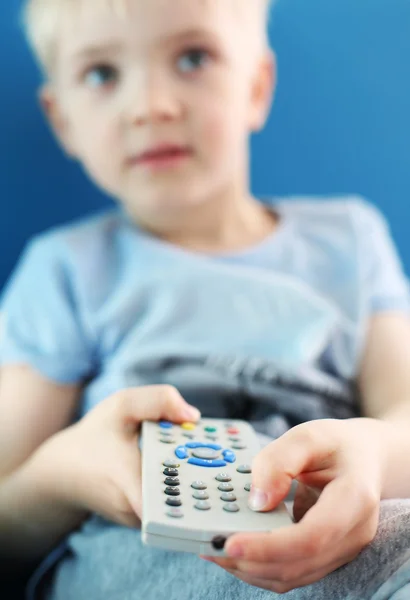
(188,426)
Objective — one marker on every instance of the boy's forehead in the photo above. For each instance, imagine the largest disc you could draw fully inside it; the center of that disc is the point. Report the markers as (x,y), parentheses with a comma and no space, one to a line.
(150,21)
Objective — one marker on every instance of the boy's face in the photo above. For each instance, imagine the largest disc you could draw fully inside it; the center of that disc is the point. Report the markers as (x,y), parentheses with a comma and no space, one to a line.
(158,102)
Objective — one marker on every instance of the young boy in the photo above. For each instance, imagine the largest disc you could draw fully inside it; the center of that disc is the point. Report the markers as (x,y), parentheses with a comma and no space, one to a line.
(291,314)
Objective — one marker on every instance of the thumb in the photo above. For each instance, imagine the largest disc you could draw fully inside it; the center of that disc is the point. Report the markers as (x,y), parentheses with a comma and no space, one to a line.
(282,461)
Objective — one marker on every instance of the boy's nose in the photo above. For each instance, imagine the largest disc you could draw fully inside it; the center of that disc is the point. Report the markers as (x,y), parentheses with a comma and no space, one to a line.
(153,101)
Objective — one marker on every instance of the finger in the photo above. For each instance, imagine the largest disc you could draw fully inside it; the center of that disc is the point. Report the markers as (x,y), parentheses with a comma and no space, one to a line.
(291,571)
(286,583)
(303,448)
(317,533)
(153,403)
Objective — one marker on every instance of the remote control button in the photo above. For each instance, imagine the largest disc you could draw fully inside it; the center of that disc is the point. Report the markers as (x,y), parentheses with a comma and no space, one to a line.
(235,439)
(233,431)
(205,453)
(231,507)
(210,429)
(166,425)
(167,440)
(223,477)
(190,436)
(171,481)
(239,446)
(174,502)
(229,424)
(171,472)
(229,456)
(188,426)
(213,438)
(175,512)
(228,497)
(225,487)
(194,445)
(166,433)
(200,495)
(173,464)
(172,491)
(247,487)
(181,452)
(203,505)
(244,469)
(202,462)
(199,485)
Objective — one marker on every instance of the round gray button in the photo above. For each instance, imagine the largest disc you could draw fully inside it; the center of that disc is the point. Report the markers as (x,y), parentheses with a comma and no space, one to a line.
(206,453)
(200,495)
(175,512)
(223,477)
(212,437)
(166,433)
(225,487)
(172,481)
(248,487)
(199,485)
(174,501)
(238,446)
(167,440)
(203,505)
(172,491)
(170,472)
(188,435)
(244,469)
(228,497)
(172,464)
(232,507)
(234,439)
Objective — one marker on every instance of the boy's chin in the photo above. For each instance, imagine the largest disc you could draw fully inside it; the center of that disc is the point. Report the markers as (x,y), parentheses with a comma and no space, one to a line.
(161,205)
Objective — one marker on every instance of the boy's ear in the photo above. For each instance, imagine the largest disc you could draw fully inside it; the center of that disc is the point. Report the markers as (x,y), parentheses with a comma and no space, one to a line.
(52,111)
(263,91)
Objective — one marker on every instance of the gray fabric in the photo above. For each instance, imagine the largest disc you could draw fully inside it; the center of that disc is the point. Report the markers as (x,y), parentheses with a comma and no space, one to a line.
(110,562)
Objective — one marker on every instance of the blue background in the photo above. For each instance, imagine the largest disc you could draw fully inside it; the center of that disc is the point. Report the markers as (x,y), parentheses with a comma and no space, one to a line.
(340,122)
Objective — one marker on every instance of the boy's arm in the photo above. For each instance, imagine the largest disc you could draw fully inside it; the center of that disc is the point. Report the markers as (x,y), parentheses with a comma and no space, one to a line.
(32,409)
(384,383)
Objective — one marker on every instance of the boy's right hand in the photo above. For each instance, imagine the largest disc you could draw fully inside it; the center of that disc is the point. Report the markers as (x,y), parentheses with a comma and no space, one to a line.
(95,465)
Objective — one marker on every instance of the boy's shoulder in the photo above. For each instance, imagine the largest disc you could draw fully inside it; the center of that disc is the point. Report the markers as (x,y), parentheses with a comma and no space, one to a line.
(81,237)
(328,208)
(348,217)
(95,226)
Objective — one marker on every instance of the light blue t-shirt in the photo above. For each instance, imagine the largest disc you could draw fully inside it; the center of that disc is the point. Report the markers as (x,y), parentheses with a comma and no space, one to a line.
(273,334)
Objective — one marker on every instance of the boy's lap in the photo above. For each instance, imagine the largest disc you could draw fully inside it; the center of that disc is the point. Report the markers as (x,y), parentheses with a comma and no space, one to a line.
(110,562)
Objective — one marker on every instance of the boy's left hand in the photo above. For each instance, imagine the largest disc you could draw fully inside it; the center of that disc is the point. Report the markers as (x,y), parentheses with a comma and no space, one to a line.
(340,468)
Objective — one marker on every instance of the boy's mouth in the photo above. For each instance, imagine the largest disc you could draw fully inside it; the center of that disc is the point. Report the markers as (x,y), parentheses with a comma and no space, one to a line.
(161,156)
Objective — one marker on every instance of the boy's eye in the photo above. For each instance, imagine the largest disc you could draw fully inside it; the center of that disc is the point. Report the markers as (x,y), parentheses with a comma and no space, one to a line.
(100,76)
(192,60)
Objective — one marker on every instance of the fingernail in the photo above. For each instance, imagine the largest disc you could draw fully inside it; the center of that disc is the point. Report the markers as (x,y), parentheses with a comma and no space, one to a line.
(235,552)
(192,413)
(257,499)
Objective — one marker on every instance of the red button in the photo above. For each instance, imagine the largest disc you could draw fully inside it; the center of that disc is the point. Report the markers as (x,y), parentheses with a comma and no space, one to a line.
(232,431)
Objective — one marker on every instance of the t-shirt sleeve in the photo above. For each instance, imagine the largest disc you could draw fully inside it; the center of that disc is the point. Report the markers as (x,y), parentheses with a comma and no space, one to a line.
(40,324)
(384,282)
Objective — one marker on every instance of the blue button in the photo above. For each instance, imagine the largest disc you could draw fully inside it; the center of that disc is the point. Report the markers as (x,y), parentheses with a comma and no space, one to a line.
(229,456)
(166,425)
(202,462)
(202,445)
(181,452)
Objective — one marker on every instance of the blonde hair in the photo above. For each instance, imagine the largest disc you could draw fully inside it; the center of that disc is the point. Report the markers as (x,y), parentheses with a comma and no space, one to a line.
(39,19)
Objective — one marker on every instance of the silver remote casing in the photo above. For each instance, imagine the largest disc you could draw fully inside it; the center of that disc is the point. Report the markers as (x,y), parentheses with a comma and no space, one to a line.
(187,528)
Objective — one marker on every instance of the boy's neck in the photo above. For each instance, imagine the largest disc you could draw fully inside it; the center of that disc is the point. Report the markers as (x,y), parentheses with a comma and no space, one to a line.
(216,227)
